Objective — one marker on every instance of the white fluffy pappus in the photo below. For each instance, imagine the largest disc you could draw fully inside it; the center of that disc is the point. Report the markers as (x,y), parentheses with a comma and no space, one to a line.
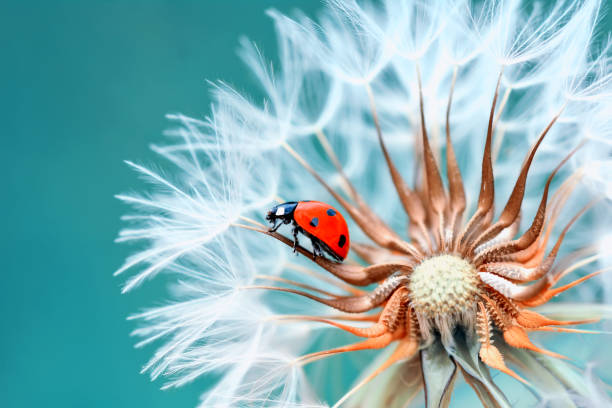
(229,168)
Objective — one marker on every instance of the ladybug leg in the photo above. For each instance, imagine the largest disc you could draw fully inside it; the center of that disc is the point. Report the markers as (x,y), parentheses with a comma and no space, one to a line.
(295,238)
(275,226)
(316,248)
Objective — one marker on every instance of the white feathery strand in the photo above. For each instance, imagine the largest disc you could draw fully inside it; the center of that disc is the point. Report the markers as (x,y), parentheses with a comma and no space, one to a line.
(155,267)
(161,180)
(159,205)
(227,170)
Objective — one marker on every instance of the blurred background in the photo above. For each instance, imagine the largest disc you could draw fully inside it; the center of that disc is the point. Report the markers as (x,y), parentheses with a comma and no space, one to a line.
(85,85)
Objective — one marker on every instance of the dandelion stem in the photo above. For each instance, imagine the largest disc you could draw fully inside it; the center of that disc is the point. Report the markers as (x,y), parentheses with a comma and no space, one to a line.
(252,221)
(297,284)
(502,106)
(325,278)
(499,136)
(499,140)
(249,227)
(329,151)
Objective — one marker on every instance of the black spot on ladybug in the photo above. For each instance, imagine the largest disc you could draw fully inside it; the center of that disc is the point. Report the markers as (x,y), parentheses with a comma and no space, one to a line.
(314,222)
(331,212)
(342,241)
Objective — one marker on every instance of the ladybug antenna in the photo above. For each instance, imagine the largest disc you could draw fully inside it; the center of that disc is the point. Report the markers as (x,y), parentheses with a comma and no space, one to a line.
(270,216)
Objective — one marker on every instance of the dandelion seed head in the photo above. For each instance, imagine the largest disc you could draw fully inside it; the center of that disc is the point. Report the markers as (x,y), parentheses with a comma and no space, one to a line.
(466,144)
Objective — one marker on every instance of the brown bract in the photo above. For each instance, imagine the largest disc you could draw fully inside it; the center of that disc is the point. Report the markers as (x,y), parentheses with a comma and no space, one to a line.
(501,275)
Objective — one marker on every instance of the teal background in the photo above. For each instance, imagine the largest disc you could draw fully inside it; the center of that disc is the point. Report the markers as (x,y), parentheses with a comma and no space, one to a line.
(85,85)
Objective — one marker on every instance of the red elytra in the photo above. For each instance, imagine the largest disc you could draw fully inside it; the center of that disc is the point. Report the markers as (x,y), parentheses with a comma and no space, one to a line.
(325,223)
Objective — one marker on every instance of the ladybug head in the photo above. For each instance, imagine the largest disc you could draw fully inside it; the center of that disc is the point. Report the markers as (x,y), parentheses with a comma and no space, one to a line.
(282,211)
(270,216)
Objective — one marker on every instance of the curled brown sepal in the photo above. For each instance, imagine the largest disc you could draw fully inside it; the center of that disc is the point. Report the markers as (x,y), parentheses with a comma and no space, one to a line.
(455,182)
(487,183)
(513,206)
(353,274)
(411,202)
(435,187)
(350,304)
(511,212)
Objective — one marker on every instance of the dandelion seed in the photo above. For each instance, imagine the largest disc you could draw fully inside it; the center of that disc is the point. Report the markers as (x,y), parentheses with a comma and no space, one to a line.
(402,113)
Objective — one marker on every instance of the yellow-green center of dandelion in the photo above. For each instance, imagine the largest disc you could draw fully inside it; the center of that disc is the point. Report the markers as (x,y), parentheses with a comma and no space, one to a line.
(443,285)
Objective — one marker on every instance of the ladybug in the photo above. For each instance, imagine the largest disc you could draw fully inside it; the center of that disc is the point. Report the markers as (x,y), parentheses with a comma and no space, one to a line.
(321,222)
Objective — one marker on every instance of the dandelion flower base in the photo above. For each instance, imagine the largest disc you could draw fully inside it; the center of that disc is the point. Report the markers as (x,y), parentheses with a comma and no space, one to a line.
(443,285)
